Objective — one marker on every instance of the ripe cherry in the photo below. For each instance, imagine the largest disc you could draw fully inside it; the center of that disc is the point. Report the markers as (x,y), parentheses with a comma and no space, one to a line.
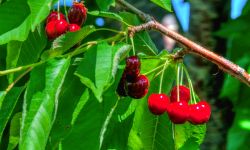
(73,28)
(77,13)
(54,16)
(178,112)
(184,94)
(132,69)
(158,103)
(139,88)
(56,28)
(121,89)
(199,113)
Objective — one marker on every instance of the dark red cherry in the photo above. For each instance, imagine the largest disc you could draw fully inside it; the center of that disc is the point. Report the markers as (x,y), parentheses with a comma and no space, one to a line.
(158,103)
(77,14)
(132,69)
(199,113)
(54,16)
(178,112)
(73,28)
(184,94)
(139,88)
(121,89)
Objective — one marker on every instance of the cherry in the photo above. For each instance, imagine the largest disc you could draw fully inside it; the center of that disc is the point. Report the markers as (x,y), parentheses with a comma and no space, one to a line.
(158,103)
(54,16)
(199,113)
(73,28)
(139,88)
(121,89)
(184,94)
(77,13)
(132,69)
(56,28)
(178,112)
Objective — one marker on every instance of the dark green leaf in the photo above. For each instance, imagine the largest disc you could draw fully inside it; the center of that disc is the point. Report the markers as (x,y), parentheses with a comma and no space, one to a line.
(166,4)
(8,106)
(104,4)
(14,131)
(40,105)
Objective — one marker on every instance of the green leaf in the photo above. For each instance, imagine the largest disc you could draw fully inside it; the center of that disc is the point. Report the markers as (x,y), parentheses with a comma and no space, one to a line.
(142,41)
(14,131)
(100,60)
(104,5)
(187,131)
(15,23)
(8,105)
(12,14)
(39,11)
(40,104)
(105,14)
(66,41)
(24,53)
(2,96)
(165,4)
(72,97)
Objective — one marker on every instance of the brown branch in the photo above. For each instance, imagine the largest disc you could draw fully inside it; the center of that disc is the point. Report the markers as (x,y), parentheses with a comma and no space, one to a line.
(192,47)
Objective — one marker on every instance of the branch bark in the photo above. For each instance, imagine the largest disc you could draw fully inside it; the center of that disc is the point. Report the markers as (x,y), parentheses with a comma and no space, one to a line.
(224,64)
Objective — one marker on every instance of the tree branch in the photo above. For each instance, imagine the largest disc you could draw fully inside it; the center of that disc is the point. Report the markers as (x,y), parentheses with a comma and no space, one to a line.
(192,47)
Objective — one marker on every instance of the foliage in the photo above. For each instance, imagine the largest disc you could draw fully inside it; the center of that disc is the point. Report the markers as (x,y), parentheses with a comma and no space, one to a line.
(68,100)
(237,32)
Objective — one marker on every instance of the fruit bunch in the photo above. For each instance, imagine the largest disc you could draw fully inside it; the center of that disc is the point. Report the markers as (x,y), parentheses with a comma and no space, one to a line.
(179,111)
(57,25)
(132,83)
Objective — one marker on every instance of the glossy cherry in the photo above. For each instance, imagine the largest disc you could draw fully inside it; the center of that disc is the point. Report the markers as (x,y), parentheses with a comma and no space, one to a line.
(158,103)
(77,14)
(178,112)
(132,69)
(73,27)
(121,89)
(54,16)
(199,113)
(184,94)
(139,88)
(56,28)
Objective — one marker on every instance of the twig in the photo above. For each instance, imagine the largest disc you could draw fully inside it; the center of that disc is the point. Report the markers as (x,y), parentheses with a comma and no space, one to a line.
(192,47)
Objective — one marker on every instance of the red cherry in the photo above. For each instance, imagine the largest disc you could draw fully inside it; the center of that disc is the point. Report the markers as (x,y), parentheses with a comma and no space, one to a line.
(121,89)
(132,69)
(56,28)
(199,113)
(54,16)
(139,88)
(178,112)
(158,103)
(77,13)
(73,28)
(184,94)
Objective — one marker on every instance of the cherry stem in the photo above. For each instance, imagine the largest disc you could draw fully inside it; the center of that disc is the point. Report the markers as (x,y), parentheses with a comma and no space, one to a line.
(58,10)
(65,10)
(162,75)
(133,46)
(181,83)
(153,70)
(193,97)
(178,82)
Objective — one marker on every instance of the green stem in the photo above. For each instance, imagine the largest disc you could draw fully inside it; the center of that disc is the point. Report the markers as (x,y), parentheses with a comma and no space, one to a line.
(133,46)
(178,82)
(181,83)
(9,71)
(190,86)
(162,75)
(111,30)
(58,10)
(153,70)
(65,10)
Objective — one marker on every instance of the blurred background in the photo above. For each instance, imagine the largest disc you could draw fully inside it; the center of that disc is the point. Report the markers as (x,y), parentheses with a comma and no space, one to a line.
(222,26)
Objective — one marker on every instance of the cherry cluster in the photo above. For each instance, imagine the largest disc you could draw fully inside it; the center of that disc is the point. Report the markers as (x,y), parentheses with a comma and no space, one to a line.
(132,83)
(57,25)
(179,111)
